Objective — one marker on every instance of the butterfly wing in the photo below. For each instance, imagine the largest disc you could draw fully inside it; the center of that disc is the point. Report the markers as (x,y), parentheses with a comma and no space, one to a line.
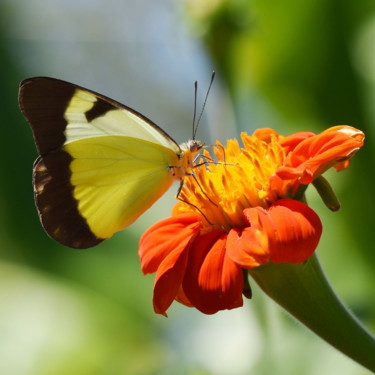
(101,164)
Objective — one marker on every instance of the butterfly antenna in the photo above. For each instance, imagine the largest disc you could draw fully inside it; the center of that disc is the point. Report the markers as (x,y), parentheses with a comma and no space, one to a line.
(195,107)
(195,125)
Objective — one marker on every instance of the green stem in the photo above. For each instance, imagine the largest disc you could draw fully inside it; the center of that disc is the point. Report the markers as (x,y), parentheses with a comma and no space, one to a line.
(303,290)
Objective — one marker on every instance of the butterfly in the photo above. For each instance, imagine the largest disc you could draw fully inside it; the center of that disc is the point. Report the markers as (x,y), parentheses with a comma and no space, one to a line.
(101,164)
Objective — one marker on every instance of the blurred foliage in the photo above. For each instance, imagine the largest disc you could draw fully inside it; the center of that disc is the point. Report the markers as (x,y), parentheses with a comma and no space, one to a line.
(298,57)
(305,66)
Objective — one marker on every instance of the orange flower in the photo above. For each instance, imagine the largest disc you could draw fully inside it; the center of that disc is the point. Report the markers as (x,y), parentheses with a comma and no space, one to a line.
(239,213)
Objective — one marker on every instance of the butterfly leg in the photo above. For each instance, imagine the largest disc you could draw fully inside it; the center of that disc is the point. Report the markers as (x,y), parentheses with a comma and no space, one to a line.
(190,204)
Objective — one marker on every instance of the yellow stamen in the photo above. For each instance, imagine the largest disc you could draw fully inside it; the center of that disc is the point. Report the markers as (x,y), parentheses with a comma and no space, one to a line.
(238,180)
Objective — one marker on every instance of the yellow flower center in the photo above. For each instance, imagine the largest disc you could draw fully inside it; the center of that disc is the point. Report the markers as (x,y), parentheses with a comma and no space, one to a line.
(238,179)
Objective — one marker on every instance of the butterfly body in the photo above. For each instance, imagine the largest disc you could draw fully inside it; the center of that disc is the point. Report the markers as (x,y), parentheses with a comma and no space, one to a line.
(101,164)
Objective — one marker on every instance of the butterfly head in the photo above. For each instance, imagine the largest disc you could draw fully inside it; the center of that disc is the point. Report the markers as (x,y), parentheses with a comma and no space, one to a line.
(192,145)
(187,157)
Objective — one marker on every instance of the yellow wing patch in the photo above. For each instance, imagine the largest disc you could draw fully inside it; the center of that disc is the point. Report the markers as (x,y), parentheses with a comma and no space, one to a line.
(116,179)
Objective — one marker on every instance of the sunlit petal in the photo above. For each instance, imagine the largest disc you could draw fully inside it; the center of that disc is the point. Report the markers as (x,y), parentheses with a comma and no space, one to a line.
(315,154)
(165,236)
(297,231)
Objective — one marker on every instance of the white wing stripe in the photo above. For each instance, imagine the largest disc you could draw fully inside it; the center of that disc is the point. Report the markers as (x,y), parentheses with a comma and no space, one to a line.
(114,122)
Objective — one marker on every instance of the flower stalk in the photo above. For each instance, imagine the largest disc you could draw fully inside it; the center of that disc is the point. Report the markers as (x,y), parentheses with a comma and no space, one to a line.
(303,290)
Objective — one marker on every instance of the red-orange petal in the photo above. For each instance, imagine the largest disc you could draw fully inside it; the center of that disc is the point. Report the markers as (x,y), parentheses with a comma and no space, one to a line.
(347,130)
(292,141)
(289,231)
(212,280)
(266,134)
(169,277)
(248,247)
(298,231)
(310,157)
(164,248)
(165,236)
(181,298)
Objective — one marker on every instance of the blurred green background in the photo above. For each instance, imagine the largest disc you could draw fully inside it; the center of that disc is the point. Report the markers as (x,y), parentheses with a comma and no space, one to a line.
(286,64)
